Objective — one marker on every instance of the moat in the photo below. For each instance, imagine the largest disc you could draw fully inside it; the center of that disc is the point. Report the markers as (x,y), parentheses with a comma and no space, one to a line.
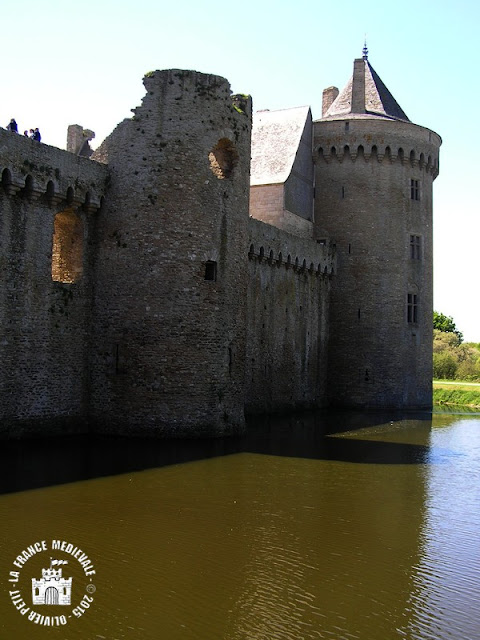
(348,527)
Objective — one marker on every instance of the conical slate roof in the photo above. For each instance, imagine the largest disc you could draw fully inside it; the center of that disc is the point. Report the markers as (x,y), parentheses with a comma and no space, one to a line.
(365,93)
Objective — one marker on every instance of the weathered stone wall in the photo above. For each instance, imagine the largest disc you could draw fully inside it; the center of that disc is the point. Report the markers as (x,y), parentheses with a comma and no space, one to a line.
(287,324)
(170,275)
(45,323)
(377,357)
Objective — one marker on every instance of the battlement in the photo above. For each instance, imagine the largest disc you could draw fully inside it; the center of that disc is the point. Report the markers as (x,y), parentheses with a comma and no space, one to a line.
(377,139)
(277,248)
(275,258)
(35,171)
(371,153)
(52,574)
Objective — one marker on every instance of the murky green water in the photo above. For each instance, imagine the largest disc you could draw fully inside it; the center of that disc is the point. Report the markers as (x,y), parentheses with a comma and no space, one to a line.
(330,527)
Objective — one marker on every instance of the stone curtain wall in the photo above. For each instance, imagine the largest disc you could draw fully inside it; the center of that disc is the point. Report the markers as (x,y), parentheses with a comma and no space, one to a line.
(45,322)
(287,324)
(171,275)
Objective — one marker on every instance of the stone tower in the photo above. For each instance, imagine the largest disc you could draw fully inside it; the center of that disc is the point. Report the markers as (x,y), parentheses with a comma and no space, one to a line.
(169,315)
(374,176)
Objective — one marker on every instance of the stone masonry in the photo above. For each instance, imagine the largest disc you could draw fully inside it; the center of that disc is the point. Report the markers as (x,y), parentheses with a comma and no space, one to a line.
(167,284)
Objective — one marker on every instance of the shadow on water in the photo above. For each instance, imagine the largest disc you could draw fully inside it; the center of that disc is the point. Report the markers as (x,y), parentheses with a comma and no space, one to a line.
(35,463)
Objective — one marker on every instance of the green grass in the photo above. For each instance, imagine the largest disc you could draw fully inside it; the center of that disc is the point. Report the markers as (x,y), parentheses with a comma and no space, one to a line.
(456,392)
(462,385)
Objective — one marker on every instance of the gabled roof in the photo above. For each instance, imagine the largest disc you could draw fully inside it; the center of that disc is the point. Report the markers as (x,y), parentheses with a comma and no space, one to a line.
(365,93)
(276,137)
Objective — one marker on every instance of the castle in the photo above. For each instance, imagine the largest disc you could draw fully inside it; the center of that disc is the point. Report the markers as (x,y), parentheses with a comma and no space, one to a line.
(52,588)
(195,268)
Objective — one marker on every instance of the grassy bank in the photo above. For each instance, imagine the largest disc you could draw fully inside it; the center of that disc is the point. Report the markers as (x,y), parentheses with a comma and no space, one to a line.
(456,392)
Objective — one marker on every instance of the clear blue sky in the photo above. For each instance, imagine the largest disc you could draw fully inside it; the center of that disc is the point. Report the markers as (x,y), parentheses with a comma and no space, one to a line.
(68,62)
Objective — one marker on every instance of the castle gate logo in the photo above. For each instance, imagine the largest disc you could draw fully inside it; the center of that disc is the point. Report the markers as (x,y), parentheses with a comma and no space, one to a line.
(41,592)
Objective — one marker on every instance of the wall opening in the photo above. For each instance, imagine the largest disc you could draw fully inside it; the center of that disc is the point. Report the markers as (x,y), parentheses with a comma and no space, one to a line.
(27,190)
(223,158)
(412,308)
(415,247)
(67,247)
(414,189)
(50,193)
(6,180)
(211,270)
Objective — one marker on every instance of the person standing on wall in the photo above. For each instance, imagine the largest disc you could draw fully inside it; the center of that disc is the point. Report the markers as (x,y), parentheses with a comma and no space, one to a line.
(12,126)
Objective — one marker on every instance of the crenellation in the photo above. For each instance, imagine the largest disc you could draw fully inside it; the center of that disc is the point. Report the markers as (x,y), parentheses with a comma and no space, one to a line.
(322,265)
(379,153)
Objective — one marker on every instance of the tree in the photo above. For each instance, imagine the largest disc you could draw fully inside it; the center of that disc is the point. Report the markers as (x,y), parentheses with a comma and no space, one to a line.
(444,323)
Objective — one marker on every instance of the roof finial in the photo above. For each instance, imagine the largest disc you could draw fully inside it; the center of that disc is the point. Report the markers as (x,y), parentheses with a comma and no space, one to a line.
(365,50)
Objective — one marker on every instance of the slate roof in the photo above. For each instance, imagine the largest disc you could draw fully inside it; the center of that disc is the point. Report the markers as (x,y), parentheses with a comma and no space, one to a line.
(276,137)
(378,99)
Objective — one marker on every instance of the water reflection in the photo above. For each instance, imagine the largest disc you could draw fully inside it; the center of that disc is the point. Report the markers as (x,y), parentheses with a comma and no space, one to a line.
(24,465)
(310,527)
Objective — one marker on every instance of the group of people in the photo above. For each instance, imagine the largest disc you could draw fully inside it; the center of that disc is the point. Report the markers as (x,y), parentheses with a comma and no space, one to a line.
(34,134)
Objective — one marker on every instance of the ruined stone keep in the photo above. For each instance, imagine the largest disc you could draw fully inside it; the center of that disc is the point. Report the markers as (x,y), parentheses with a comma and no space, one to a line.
(203,263)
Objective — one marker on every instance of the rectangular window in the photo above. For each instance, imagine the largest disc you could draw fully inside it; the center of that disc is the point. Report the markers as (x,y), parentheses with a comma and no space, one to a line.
(211,270)
(412,308)
(415,247)
(414,189)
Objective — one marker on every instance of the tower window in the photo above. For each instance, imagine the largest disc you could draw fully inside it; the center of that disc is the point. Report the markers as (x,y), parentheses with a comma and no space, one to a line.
(211,270)
(414,189)
(415,247)
(412,308)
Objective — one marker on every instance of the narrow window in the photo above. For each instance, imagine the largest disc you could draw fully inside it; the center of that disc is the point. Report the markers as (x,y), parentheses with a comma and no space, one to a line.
(412,308)
(414,189)
(415,247)
(211,270)
(117,358)
(343,193)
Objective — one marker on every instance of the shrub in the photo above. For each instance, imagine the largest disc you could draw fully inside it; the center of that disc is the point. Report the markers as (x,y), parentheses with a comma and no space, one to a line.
(444,365)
